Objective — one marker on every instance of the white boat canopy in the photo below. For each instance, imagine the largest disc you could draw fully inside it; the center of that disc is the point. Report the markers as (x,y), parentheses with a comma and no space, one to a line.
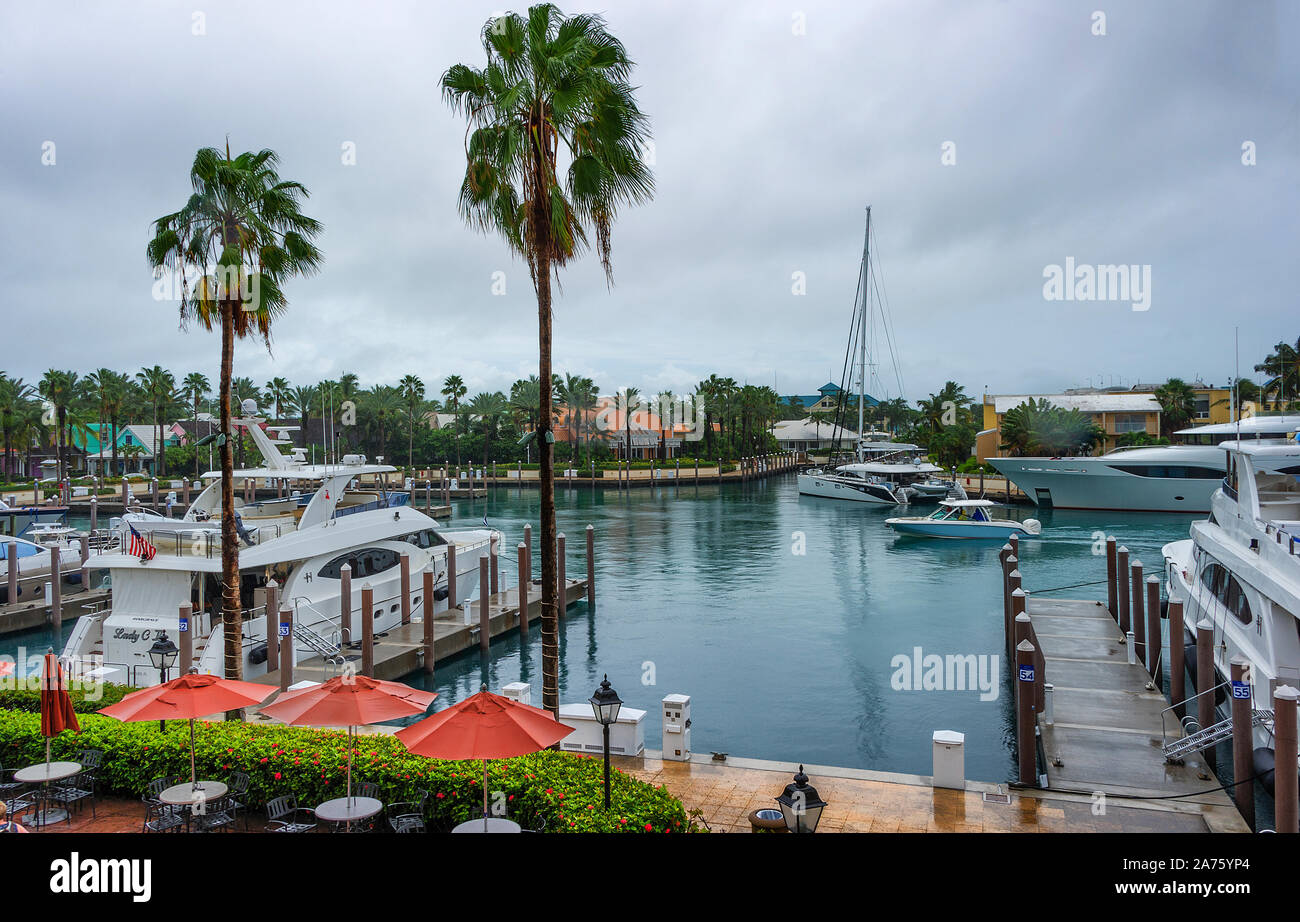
(967,503)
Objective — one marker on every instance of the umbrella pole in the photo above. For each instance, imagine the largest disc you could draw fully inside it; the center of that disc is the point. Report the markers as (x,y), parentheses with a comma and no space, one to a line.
(349,765)
(485,806)
(193,776)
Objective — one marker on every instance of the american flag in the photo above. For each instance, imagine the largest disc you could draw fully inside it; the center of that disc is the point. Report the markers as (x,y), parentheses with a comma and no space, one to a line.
(140,546)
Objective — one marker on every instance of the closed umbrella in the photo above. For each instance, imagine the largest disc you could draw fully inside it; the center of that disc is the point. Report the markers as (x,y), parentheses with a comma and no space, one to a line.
(187,698)
(57,714)
(353,701)
(484,726)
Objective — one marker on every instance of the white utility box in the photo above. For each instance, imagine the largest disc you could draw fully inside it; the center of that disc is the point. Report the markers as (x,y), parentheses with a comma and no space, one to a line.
(518,691)
(949,759)
(677,728)
(626,736)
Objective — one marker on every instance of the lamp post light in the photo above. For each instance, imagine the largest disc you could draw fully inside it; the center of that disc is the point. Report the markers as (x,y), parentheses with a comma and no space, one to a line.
(162,654)
(801,807)
(605,704)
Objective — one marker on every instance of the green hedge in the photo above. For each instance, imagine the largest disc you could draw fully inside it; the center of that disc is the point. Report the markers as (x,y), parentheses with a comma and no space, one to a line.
(83,702)
(563,789)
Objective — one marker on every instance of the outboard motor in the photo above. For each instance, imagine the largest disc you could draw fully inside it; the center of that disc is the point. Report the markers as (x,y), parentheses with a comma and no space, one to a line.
(1033,526)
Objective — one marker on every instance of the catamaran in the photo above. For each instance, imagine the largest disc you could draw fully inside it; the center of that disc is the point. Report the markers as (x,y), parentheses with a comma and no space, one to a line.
(301,541)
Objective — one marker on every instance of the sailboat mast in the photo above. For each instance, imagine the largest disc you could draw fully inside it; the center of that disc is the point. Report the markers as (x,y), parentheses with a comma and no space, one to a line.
(862,326)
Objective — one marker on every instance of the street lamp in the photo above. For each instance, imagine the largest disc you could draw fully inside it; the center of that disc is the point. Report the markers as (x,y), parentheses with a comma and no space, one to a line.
(605,704)
(801,807)
(162,654)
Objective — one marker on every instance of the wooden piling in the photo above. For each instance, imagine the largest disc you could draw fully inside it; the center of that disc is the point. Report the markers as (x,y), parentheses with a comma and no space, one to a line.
(1205,680)
(528,561)
(591,566)
(1154,641)
(404,561)
(1177,663)
(1121,586)
(1027,756)
(272,613)
(185,634)
(126,493)
(484,606)
(451,576)
(94,515)
(345,602)
(286,648)
(1017,602)
(562,581)
(1006,593)
(1111,601)
(367,630)
(11,558)
(1243,768)
(523,588)
(153,486)
(495,554)
(56,592)
(1136,612)
(1285,793)
(185,491)
(427,598)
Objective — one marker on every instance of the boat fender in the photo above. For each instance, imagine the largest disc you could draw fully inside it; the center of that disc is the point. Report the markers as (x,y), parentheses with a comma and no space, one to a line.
(1033,526)
(440,594)
(1264,760)
(1164,609)
(257,655)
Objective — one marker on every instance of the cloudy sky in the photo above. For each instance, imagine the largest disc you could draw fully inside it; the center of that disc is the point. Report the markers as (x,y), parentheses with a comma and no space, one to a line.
(775,125)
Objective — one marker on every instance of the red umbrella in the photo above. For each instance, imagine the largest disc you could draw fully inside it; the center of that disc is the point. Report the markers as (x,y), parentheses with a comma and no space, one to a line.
(186,698)
(57,714)
(351,700)
(484,726)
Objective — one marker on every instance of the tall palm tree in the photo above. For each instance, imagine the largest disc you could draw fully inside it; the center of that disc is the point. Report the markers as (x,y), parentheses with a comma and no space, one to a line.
(277,395)
(627,403)
(412,389)
(383,405)
(195,388)
(303,398)
(551,81)
(159,386)
(1177,404)
(1282,366)
(15,406)
(243,233)
(453,388)
(489,408)
(59,388)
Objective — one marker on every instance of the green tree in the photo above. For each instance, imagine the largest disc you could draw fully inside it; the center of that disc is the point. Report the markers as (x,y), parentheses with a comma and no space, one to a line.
(240,214)
(1282,366)
(489,408)
(412,389)
(551,82)
(159,386)
(453,388)
(58,388)
(15,406)
(1177,405)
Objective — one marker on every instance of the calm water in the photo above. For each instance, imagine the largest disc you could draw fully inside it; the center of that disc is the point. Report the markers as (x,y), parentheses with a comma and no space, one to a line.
(785,655)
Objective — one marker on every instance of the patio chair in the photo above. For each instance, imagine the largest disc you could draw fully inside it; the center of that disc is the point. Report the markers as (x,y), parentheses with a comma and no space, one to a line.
(369,789)
(71,792)
(7,783)
(408,816)
(284,815)
(26,801)
(159,817)
(155,788)
(217,816)
(237,792)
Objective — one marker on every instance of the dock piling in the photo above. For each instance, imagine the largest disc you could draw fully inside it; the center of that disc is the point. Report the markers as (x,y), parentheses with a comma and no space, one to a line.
(427,599)
(484,606)
(1243,768)
(451,576)
(528,559)
(1025,724)
(523,588)
(94,515)
(1121,576)
(272,612)
(1177,664)
(495,554)
(563,583)
(591,566)
(345,603)
(1017,604)
(367,630)
(405,564)
(1205,680)
(1111,600)
(153,489)
(1137,618)
(185,633)
(286,648)
(1154,641)
(1285,793)
(56,592)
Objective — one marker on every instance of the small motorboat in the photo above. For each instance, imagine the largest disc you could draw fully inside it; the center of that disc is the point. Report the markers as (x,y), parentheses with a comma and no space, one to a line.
(964,518)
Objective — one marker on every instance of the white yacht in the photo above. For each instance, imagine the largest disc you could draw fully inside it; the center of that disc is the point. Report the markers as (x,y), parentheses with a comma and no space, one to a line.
(1240,570)
(301,541)
(34,558)
(1164,478)
(884,475)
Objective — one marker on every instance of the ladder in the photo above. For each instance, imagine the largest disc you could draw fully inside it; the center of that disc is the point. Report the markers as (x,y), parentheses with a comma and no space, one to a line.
(1208,736)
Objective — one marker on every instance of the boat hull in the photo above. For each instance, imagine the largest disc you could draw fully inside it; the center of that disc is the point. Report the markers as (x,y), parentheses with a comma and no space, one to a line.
(831,488)
(1093,483)
(929,528)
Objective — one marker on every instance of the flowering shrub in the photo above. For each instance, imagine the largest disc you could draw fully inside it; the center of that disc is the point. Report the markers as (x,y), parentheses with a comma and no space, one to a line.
(84,701)
(563,791)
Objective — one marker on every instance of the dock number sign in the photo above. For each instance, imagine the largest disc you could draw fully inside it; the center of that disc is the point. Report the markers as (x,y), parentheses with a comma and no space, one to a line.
(284,628)
(185,625)
(1240,689)
(1026,673)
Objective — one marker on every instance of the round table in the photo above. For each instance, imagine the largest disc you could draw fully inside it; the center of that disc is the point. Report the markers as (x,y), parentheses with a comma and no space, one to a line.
(197,794)
(348,809)
(43,773)
(494,824)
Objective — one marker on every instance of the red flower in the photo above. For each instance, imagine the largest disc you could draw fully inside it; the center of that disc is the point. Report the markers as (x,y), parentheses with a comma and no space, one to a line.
(649,828)
(277,776)
(263,758)
(441,795)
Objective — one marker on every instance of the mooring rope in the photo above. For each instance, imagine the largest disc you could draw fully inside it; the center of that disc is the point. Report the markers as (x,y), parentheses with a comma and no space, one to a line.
(1095,582)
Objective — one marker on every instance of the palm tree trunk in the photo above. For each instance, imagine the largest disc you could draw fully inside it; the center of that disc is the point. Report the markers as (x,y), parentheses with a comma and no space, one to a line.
(545,457)
(232,626)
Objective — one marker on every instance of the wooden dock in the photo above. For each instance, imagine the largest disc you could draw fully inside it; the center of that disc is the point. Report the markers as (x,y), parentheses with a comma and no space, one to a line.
(1108,720)
(400,651)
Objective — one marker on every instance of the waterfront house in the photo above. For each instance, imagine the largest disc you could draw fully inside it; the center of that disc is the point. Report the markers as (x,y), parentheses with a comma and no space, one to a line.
(806,436)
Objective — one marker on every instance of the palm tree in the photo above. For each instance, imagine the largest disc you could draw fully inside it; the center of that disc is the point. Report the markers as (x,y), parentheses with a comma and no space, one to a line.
(627,403)
(453,388)
(550,80)
(243,232)
(383,404)
(570,394)
(15,405)
(1282,366)
(159,386)
(412,389)
(59,388)
(194,388)
(489,408)
(277,395)
(1177,404)
(302,398)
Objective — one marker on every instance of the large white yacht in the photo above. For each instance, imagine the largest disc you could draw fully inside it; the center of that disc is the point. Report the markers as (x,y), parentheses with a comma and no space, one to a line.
(1240,570)
(884,474)
(301,540)
(1164,478)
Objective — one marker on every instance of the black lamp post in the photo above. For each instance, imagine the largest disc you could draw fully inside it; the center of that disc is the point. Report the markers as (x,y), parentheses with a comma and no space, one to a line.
(605,704)
(162,654)
(801,807)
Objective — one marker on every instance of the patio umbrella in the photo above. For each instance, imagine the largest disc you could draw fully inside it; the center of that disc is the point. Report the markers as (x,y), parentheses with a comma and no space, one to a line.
(187,698)
(57,714)
(352,700)
(484,726)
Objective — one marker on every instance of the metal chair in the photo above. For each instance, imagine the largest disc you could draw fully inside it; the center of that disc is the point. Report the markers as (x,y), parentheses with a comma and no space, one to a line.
(155,788)
(216,816)
(284,815)
(26,801)
(237,791)
(368,789)
(72,791)
(7,783)
(159,817)
(408,816)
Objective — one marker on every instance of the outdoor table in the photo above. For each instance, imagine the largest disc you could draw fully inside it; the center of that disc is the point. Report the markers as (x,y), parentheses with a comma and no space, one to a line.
(348,809)
(44,773)
(494,824)
(191,794)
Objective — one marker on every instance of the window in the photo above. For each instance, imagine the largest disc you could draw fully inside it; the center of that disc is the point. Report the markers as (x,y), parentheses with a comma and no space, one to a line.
(1130,422)
(1175,471)
(1230,593)
(1202,408)
(364,563)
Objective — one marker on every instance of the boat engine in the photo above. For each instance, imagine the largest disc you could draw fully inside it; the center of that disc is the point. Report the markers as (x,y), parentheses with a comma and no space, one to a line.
(1033,526)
